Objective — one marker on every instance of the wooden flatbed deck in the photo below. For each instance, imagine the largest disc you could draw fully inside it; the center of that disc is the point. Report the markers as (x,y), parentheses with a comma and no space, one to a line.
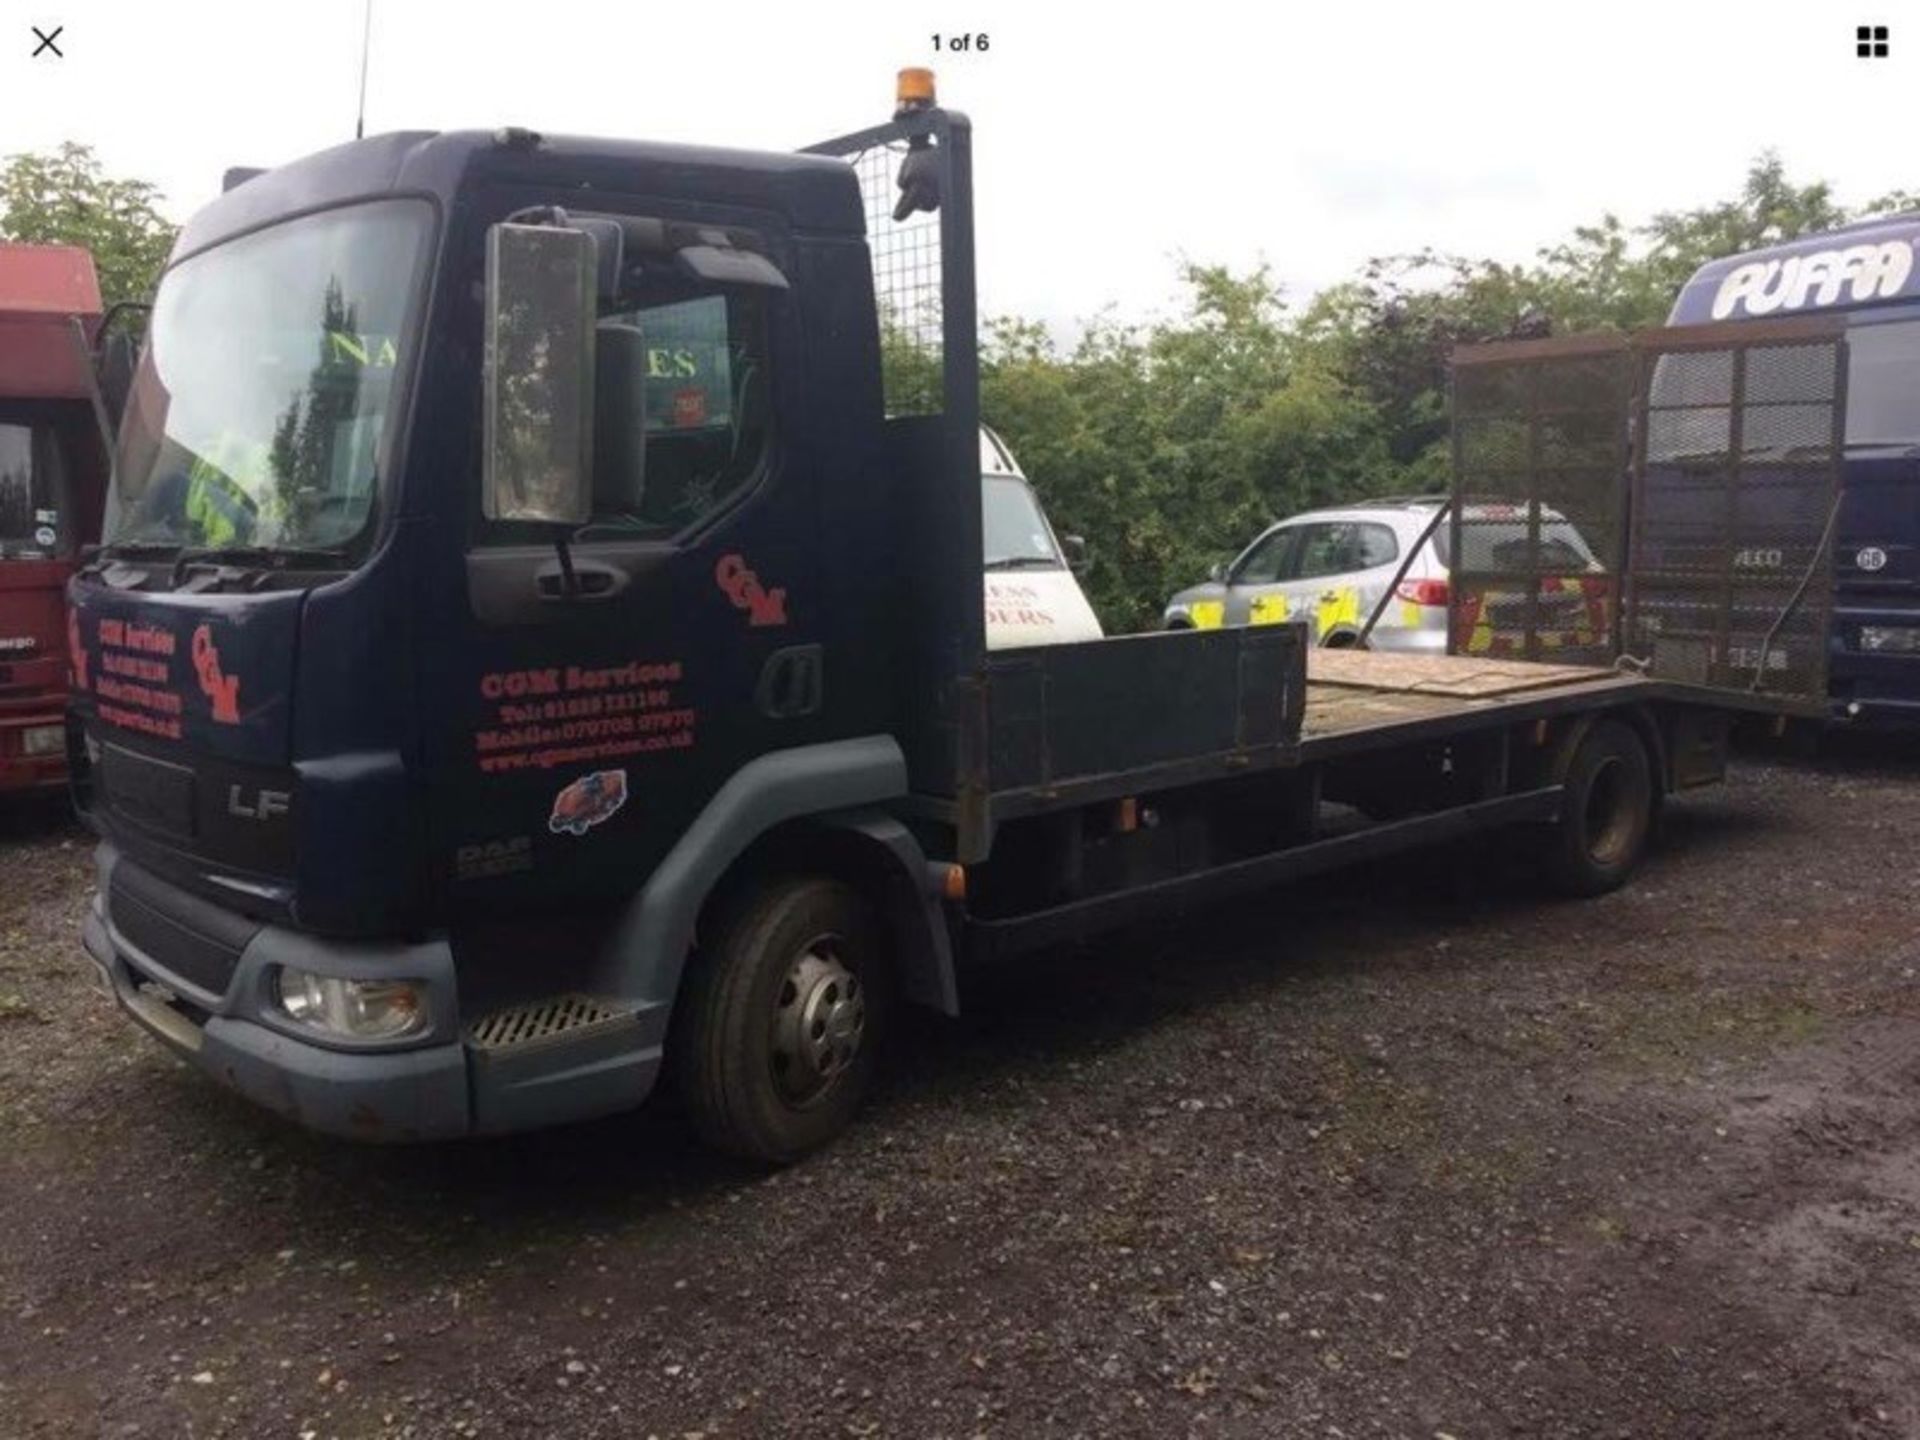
(1353,690)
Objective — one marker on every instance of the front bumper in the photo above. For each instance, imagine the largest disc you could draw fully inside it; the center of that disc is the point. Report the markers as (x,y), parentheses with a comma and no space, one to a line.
(1870,688)
(158,951)
(1869,711)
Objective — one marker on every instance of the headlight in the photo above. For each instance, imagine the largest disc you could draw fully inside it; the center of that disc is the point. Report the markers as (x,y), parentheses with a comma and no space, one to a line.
(43,740)
(357,1009)
(1890,639)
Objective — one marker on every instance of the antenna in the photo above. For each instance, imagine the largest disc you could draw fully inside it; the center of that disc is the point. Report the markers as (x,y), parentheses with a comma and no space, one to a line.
(366,44)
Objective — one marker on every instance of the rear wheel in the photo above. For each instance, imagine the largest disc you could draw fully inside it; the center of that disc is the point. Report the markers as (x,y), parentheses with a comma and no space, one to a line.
(1606,812)
(774,1046)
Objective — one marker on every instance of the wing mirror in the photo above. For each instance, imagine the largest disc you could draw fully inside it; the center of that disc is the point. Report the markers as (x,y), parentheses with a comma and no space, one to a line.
(1079,557)
(539,365)
(1217,572)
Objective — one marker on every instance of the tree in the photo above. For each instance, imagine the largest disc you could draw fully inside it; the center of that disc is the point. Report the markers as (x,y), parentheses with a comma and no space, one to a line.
(1171,445)
(65,198)
(1769,209)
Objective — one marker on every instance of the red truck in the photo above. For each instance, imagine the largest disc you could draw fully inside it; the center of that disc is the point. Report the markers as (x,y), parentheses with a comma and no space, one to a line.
(53,481)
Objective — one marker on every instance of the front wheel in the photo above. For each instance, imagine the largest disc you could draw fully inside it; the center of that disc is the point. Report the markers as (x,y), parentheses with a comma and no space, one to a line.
(780,1020)
(1606,812)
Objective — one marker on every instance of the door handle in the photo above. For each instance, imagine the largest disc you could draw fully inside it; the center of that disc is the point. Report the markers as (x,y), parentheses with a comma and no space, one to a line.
(790,683)
(592,580)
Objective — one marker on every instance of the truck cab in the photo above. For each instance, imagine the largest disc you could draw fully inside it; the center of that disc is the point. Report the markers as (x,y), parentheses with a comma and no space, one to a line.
(52,482)
(478,538)
(1866,277)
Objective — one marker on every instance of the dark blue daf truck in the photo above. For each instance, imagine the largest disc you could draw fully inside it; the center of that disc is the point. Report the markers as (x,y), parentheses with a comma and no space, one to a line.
(1866,276)
(537,653)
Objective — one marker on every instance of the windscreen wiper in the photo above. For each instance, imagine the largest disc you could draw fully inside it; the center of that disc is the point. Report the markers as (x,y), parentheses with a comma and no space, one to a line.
(241,557)
(1022,562)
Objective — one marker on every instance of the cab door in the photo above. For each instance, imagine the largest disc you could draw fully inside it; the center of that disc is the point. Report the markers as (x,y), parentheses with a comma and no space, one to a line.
(600,698)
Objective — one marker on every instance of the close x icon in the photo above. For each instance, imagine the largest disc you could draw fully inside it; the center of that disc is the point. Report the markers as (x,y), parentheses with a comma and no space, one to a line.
(47,41)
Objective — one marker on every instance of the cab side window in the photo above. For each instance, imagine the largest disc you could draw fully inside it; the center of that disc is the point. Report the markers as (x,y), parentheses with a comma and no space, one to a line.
(681,407)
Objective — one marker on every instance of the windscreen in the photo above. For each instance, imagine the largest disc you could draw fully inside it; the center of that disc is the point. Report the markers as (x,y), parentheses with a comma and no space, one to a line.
(259,410)
(1013,532)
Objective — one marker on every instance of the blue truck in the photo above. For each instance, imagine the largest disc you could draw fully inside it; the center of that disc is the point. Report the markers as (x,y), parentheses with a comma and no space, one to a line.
(1866,276)
(537,653)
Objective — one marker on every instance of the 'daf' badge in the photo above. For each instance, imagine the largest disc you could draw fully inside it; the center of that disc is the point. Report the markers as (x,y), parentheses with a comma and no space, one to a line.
(587,801)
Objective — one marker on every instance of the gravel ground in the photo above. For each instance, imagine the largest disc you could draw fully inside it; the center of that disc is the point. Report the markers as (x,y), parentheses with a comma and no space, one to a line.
(1419,1154)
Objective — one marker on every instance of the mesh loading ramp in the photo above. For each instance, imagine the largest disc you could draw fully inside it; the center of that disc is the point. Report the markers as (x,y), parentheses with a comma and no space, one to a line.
(1736,488)
(1540,456)
(1666,498)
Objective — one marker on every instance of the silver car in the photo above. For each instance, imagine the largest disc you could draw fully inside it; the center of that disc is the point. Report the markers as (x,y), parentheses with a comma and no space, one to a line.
(1329,568)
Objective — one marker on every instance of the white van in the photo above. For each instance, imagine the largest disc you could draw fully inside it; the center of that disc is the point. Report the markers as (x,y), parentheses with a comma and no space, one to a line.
(1032,596)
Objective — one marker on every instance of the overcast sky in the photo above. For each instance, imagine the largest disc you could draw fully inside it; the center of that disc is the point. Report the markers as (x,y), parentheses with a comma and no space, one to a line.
(1110,139)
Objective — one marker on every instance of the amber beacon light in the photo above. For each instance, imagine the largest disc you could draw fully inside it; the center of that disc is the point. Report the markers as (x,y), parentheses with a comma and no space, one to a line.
(914,87)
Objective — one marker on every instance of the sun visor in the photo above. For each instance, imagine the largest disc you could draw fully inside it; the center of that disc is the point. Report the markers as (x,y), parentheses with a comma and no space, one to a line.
(731,267)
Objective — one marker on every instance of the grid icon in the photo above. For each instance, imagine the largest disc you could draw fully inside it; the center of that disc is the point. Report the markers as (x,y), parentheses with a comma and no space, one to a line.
(1870,42)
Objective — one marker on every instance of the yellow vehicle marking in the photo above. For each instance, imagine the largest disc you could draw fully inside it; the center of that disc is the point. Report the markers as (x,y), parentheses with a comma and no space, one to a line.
(1337,607)
(1268,610)
(1207,614)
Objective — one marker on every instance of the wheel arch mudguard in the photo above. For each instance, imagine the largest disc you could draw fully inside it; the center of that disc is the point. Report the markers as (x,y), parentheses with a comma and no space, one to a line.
(880,856)
(1637,719)
(835,787)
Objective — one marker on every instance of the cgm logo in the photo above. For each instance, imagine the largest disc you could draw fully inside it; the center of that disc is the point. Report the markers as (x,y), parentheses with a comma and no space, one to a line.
(1866,272)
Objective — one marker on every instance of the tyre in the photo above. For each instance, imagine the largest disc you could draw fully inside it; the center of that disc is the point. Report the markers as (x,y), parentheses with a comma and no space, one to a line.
(781,1016)
(1606,812)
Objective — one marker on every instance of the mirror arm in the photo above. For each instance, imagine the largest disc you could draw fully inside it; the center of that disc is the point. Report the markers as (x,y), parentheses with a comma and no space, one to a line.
(83,352)
(119,308)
